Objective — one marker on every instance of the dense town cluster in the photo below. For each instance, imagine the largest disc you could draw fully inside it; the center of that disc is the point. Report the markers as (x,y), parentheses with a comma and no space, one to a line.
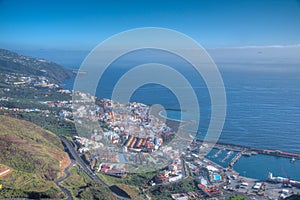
(126,134)
(133,126)
(130,125)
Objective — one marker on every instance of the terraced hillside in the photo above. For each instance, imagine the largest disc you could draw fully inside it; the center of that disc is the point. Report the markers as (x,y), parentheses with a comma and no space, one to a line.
(35,156)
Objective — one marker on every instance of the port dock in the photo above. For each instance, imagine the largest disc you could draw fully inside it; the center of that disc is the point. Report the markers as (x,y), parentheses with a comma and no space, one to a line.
(242,150)
(235,159)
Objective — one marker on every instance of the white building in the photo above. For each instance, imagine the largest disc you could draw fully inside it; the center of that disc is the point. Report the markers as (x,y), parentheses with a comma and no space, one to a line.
(175,178)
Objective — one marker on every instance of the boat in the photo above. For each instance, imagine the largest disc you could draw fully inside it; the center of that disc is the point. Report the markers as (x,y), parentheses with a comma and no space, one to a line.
(293,160)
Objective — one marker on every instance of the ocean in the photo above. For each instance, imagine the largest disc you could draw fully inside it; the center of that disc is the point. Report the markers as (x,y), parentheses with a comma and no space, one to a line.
(263,108)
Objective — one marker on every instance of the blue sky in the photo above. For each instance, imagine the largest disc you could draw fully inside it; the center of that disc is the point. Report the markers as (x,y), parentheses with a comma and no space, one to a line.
(54,24)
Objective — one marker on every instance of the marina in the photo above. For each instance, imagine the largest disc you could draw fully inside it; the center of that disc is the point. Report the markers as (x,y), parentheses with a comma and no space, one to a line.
(227,156)
(248,151)
(254,162)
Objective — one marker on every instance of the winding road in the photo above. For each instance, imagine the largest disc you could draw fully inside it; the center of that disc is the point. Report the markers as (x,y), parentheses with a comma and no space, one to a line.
(67,192)
(85,168)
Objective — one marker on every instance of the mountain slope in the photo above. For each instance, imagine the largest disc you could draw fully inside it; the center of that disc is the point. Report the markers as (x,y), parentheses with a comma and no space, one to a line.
(28,148)
(16,63)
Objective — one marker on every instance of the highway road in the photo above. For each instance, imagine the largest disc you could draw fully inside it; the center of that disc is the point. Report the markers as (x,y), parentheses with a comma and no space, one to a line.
(86,168)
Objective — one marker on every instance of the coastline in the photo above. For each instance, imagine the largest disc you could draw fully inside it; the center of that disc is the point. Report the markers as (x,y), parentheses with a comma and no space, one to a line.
(238,131)
(271,152)
(160,114)
(177,125)
(246,151)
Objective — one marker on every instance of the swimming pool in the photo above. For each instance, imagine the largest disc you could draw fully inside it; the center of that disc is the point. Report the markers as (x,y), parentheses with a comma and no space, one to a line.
(217,177)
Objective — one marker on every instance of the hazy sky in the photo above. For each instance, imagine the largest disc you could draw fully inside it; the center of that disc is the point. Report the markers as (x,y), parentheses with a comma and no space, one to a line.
(54,24)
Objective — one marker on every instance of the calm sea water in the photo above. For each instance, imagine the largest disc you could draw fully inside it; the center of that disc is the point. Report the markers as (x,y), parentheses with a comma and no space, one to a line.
(259,166)
(263,107)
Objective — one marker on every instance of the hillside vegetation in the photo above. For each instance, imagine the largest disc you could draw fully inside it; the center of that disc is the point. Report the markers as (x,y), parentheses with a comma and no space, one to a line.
(29,148)
(82,187)
(11,62)
(36,157)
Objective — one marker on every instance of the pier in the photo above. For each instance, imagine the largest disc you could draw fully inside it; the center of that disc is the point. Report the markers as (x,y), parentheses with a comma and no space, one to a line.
(235,159)
(243,150)
(217,154)
(227,156)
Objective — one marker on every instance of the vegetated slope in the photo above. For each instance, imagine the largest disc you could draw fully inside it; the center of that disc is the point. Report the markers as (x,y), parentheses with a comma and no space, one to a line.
(28,148)
(17,63)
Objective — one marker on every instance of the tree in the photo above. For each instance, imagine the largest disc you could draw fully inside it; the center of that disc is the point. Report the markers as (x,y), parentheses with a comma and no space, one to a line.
(237,198)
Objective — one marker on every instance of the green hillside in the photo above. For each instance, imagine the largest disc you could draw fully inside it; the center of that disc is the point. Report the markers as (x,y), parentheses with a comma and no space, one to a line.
(11,62)
(35,155)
